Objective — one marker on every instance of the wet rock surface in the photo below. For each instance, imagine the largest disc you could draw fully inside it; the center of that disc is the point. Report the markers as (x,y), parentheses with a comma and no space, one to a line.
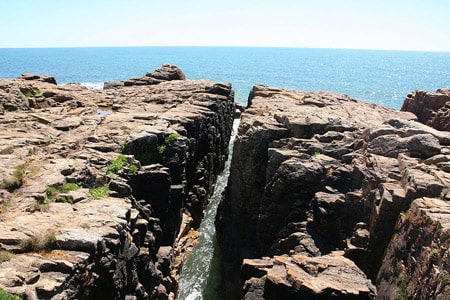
(325,179)
(95,184)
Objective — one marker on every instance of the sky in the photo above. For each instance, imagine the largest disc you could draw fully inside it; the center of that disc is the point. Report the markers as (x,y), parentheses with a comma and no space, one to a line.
(354,24)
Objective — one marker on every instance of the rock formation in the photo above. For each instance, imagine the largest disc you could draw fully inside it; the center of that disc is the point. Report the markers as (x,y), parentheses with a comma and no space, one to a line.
(96,185)
(322,184)
(432,109)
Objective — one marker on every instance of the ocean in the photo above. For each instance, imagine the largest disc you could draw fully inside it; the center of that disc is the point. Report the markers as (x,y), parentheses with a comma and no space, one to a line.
(376,76)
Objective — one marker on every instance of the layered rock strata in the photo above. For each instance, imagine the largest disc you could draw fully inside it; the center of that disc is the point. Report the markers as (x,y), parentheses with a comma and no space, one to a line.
(318,183)
(432,109)
(96,185)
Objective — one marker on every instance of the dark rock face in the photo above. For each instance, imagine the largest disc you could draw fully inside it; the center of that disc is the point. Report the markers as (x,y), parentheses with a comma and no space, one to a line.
(313,173)
(165,73)
(151,154)
(432,109)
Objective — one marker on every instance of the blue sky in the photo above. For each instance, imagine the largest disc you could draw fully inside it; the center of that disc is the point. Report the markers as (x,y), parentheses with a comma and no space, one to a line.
(357,24)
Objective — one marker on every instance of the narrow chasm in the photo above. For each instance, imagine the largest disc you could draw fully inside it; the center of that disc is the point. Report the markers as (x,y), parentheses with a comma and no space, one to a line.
(200,275)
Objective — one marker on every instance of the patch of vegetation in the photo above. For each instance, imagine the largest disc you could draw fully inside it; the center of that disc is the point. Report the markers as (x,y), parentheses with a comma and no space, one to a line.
(45,242)
(31,151)
(85,226)
(5,256)
(171,138)
(133,169)
(161,149)
(69,187)
(64,199)
(30,91)
(168,141)
(15,181)
(434,256)
(7,296)
(53,192)
(99,192)
(402,286)
(316,153)
(117,164)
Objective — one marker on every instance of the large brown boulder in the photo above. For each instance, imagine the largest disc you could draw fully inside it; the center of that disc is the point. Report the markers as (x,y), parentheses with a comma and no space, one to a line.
(432,109)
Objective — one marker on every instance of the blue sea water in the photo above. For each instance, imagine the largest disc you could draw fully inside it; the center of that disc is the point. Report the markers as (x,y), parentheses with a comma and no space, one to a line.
(381,77)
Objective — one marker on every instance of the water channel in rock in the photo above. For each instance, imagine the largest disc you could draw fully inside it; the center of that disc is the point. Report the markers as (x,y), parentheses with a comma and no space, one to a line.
(200,277)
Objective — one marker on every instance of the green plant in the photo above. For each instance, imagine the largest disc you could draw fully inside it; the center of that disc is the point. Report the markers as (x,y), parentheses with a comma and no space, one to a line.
(133,169)
(402,286)
(161,149)
(5,256)
(40,203)
(99,192)
(16,180)
(316,153)
(171,138)
(168,141)
(7,296)
(69,187)
(36,243)
(30,91)
(51,192)
(31,151)
(64,199)
(117,164)
(434,256)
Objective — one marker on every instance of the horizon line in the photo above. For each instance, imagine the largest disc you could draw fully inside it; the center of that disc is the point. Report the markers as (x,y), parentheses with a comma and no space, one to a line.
(225,46)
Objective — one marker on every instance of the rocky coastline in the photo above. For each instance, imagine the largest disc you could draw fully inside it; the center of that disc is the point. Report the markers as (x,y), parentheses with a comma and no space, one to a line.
(333,197)
(101,190)
(328,197)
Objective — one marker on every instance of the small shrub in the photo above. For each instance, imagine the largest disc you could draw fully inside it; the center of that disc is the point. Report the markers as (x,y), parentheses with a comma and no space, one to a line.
(402,286)
(30,91)
(171,138)
(117,164)
(69,187)
(36,243)
(133,169)
(161,149)
(99,192)
(31,151)
(434,256)
(51,192)
(13,183)
(5,256)
(7,296)
(168,141)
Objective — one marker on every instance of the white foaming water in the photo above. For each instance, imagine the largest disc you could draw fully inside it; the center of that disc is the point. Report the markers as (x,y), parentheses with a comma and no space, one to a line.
(200,274)
(96,86)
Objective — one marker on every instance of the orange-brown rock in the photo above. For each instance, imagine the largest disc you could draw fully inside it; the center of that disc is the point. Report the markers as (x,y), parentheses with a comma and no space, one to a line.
(432,109)
(94,184)
(316,172)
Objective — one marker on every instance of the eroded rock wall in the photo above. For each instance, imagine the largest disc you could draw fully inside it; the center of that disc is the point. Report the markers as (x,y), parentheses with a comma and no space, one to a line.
(97,184)
(432,109)
(316,173)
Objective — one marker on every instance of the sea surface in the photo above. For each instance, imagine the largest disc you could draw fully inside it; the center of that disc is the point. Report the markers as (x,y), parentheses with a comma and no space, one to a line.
(376,76)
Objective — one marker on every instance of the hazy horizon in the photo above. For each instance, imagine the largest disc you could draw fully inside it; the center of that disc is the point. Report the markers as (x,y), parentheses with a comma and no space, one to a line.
(405,25)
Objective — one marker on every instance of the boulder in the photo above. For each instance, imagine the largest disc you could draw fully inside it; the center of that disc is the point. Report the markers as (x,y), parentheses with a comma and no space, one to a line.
(432,109)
